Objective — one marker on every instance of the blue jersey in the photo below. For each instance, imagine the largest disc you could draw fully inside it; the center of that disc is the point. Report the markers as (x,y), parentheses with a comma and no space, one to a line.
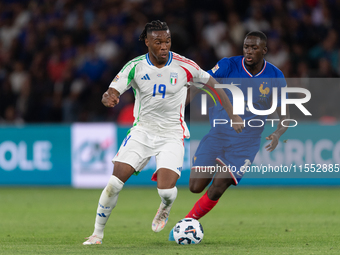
(233,71)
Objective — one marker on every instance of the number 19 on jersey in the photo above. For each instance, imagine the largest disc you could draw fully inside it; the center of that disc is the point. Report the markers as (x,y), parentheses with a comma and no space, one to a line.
(161,90)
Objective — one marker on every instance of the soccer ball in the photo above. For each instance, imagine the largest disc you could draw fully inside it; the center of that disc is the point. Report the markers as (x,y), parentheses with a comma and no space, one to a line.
(188,231)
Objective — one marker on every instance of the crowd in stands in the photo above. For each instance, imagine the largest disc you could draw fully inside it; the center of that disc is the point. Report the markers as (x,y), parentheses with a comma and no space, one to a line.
(58,57)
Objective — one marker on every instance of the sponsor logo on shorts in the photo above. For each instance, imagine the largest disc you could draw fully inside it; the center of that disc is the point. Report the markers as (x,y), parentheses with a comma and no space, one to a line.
(247,163)
(126,139)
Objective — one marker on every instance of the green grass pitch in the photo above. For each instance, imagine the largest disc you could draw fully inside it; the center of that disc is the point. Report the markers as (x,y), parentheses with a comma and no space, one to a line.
(245,221)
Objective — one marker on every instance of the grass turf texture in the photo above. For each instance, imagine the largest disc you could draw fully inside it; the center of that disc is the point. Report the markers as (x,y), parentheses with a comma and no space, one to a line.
(245,221)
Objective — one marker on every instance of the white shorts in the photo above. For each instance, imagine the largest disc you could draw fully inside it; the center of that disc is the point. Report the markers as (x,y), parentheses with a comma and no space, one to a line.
(139,146)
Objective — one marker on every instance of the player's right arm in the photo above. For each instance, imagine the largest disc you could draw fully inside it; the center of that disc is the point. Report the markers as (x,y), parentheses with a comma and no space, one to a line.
(111,97)
(120,84)
(237,122)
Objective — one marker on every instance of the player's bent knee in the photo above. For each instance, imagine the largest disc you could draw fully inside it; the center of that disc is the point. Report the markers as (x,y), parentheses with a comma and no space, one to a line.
(122,171)
(195,189)
(195,186)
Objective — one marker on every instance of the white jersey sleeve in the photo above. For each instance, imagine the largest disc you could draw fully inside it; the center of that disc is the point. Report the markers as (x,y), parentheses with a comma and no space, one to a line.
(123,80)
(194,72)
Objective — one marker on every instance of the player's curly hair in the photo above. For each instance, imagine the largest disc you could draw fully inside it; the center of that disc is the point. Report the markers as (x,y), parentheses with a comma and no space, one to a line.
(155,25)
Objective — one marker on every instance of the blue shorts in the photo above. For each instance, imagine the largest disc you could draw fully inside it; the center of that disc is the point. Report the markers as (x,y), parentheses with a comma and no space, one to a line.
(236,153)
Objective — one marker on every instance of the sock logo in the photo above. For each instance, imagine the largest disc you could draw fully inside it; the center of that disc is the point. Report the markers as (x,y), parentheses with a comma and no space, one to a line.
(104,207)
(101,215)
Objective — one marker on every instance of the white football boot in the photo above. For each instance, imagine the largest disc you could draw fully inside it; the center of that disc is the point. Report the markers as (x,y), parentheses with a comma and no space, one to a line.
(93,240)
(161,217)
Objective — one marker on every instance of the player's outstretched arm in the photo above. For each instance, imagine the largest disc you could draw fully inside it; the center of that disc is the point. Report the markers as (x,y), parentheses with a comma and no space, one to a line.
(237,120)
(274,137)
(110,98)
(191,93)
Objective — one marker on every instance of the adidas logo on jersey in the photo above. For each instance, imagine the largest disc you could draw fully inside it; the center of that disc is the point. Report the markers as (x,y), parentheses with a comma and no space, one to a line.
(146,77)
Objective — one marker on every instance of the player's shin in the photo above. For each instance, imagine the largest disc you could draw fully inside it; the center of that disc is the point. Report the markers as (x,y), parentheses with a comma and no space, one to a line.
(107,202)
(202,207)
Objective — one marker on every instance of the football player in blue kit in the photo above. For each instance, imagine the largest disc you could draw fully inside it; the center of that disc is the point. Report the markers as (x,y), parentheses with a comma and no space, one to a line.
(222,146)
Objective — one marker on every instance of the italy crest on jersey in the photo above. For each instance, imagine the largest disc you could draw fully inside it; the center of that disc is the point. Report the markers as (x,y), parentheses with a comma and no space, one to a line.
(173,78)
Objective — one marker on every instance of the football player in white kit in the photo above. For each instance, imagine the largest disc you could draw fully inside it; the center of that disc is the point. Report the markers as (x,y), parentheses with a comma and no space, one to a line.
(159,81)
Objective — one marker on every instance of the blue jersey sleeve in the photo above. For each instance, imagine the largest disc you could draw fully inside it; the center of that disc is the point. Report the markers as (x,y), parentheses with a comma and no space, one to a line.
(221,69)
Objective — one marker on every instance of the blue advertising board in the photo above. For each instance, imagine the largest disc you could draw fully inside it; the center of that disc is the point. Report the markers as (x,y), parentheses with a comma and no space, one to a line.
(310,155)
(35,155)
(51,155)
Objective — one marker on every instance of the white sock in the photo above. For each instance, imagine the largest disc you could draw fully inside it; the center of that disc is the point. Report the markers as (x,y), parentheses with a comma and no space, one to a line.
(107,201)
(168,196)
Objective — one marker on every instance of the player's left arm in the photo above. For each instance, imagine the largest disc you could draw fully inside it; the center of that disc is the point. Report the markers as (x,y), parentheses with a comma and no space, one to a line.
(274,137)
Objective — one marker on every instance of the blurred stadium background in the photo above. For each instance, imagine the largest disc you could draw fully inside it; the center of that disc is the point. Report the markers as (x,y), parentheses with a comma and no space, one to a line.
(58,57)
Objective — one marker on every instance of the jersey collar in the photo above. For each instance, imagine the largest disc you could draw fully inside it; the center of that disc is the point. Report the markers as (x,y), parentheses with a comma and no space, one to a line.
(167,63)
(245,69)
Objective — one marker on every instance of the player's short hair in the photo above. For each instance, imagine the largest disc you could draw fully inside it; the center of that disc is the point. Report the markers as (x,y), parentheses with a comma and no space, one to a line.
(155,25)
(258,34)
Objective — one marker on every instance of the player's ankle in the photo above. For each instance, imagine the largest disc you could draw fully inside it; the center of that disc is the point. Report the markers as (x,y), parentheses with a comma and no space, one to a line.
(98,233)
(168,196)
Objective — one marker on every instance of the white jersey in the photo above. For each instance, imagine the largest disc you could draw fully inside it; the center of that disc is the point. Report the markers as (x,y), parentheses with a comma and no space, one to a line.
(160,93)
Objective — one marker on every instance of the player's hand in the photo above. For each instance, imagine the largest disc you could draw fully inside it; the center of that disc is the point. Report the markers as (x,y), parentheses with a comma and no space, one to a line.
(275,141)
(237,123)
(110,100)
